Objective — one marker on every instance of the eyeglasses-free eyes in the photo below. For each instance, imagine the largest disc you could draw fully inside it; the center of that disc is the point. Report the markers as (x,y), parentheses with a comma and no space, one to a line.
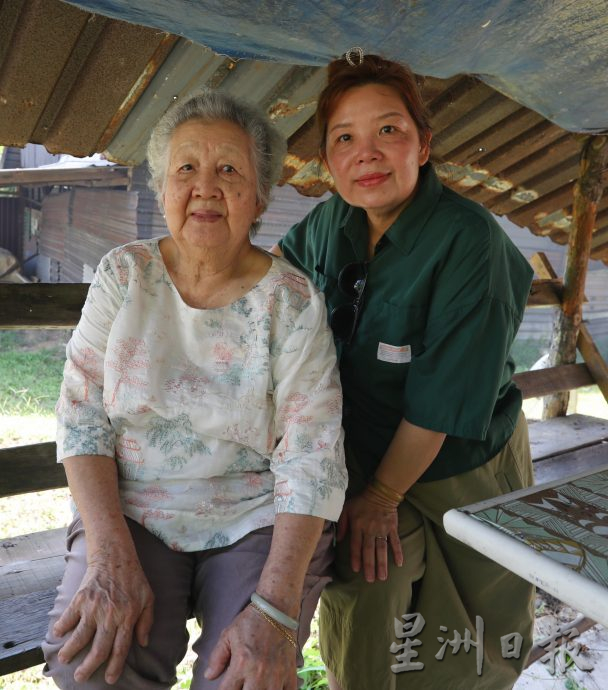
(344,319)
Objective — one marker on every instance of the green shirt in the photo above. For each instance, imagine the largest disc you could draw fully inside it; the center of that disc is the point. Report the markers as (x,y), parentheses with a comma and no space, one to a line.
(445,295)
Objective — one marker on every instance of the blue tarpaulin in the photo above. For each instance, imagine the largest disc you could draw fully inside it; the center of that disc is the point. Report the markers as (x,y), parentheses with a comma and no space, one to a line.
(549,55)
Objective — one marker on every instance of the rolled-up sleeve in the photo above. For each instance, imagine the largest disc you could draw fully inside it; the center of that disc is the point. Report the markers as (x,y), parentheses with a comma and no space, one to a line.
(83,427)
(452,387)
(476,307)
(308,460)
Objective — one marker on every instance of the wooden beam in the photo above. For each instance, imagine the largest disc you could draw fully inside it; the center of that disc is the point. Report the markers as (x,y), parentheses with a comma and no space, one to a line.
(587,194)
(560,639)
(30,468)
(541,382)
(42,177)
(541,264)
(594,360)
(41,305)
(546,293)
(548,289)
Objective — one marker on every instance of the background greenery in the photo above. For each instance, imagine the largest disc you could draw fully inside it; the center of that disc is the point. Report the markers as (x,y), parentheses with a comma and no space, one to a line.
(31,365)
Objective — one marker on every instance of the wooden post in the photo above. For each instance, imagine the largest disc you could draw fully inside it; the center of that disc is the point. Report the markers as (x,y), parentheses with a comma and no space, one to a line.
(587,194)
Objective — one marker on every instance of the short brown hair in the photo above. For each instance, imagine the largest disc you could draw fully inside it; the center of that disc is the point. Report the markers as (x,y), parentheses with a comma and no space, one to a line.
(343,75)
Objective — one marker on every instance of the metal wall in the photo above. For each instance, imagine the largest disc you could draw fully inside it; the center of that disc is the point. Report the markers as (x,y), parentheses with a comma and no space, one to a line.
(11,225)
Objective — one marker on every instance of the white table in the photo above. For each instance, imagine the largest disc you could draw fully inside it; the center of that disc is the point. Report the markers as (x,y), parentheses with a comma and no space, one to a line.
(554,535)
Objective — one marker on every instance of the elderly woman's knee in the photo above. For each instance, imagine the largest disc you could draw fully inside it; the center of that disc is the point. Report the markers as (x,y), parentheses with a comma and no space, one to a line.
(142,672)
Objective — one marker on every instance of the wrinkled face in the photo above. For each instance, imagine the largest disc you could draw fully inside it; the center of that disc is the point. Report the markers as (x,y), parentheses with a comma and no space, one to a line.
(374,151)
(210,193)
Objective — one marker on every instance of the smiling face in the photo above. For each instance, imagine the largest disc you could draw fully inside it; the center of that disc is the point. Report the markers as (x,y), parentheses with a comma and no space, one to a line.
(374,152)
(210,192)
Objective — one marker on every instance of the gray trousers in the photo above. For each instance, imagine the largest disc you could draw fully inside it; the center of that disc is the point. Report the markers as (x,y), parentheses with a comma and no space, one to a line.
(214,585)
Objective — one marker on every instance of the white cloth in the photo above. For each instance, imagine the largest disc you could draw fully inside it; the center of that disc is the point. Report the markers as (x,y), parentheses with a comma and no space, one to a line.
(217,418)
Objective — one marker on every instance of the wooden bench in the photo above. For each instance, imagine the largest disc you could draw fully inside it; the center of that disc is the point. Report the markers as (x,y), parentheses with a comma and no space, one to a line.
(31,565)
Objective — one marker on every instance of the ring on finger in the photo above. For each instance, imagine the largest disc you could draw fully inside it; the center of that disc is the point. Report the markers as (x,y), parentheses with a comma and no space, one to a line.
(382,538)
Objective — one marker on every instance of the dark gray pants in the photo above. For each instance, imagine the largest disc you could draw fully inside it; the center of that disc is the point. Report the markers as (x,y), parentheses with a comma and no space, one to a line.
(214,585)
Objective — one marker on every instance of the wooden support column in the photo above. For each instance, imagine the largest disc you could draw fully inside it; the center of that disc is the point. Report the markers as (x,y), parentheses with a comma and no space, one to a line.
(587,194)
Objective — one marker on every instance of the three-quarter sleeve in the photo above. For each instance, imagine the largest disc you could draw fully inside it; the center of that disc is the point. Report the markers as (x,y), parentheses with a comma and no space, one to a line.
(308,460)
(83,427)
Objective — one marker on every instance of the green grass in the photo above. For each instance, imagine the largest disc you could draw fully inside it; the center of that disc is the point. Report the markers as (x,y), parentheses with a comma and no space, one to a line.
(313,671)
(30,373)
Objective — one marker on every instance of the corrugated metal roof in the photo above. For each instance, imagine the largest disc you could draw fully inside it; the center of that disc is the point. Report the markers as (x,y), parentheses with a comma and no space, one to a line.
(67,77)
(534,51)
(80,83)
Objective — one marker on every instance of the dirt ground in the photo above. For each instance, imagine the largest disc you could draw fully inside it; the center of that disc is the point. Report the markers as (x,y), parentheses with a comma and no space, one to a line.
(585,665)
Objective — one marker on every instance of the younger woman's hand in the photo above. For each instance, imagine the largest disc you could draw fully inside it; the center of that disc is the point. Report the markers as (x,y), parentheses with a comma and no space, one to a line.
(372,530)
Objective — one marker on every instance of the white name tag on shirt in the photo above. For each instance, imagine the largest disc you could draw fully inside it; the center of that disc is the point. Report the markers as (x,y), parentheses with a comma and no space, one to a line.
(395,354)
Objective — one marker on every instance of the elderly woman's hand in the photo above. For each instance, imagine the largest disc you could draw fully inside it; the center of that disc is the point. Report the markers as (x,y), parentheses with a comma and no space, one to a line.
(372,530)
(113,601)
(253,655)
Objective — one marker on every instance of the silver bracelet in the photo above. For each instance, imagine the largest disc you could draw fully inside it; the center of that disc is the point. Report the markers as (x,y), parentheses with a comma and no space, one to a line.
(273,612)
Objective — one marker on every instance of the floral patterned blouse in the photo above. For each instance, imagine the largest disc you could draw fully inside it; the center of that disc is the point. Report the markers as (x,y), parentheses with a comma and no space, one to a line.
(217,418)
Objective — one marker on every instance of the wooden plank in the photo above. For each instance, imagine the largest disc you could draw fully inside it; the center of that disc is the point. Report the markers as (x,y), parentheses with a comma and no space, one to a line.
(23,626)
(108,174)
(24,469)
(31,567)
(31,562)
(594,360)
(546,274)
(540,382)
(584,459)
(541,264)
(587,194)
(561,435)
(41,305)
(585,344)
(545,293)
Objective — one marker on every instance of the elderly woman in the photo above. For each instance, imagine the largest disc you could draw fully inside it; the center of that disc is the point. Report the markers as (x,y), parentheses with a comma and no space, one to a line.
(425,293)
(199,424)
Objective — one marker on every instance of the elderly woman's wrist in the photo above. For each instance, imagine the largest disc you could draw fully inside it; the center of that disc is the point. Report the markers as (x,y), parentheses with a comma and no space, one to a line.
(117,546)
(275,613)
(287,603)
(287,632)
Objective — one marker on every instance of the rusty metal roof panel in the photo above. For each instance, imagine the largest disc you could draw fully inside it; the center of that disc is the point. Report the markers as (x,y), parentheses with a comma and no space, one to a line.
(288,93)
(66,76)
(533,51)
(81,83)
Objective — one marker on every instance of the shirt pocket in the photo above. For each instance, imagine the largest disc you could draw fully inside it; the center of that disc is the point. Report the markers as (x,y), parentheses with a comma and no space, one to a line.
(396,327)
(389,338)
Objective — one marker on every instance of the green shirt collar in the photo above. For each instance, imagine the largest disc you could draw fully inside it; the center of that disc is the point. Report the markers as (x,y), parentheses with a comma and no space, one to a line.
(404,232)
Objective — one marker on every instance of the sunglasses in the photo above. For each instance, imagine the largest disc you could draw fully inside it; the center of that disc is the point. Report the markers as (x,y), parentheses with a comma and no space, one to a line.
(344,319)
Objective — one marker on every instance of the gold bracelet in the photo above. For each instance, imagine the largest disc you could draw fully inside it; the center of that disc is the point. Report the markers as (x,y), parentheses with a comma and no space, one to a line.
(277,626)
(387,491)
(379,499)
